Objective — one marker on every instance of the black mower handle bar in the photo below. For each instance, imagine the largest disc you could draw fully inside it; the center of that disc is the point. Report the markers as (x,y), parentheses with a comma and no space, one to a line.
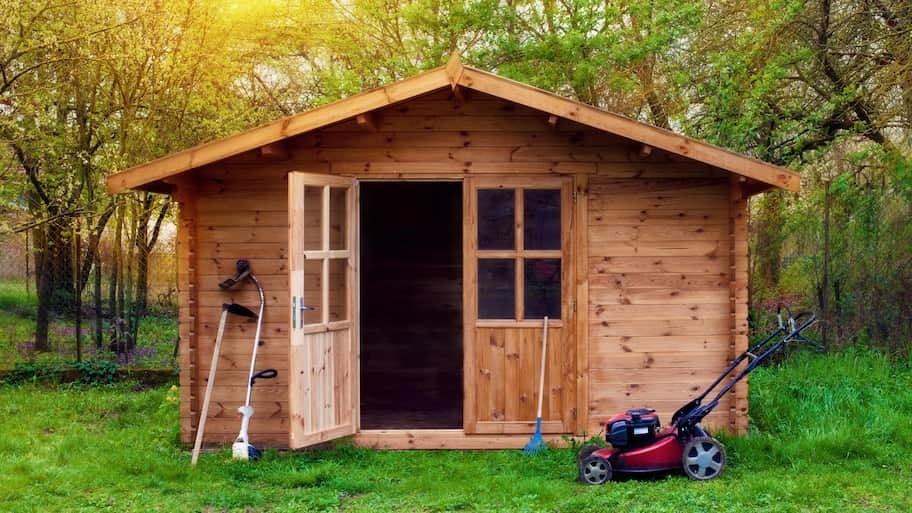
(693,412)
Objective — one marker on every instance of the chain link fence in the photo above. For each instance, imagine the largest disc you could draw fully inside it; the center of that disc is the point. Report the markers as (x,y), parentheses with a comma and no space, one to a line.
(110,325)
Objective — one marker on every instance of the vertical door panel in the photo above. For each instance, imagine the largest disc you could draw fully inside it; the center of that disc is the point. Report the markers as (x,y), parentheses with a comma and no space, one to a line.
(510,267)
(322,270)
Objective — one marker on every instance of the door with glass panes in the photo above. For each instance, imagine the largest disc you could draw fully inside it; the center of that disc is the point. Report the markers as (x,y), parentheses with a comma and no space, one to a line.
(517,270)
(323,358)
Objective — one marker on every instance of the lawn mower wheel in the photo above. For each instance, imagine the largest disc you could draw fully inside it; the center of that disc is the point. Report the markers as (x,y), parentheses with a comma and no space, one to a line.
(703,458)
(595,470)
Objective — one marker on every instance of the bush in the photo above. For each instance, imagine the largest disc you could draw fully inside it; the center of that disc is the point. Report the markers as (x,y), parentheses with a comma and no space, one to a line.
(89,372)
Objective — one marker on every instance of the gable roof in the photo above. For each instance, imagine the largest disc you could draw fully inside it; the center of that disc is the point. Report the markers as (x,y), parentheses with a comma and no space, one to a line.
(454,74)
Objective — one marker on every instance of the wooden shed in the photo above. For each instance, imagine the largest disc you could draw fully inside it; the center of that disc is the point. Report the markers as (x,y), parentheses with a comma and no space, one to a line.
(434,222)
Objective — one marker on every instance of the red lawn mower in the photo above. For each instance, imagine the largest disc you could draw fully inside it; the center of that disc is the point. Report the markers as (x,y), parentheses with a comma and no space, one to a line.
(638,445)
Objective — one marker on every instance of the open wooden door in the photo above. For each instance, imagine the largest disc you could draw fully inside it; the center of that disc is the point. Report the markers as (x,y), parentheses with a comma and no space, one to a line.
(323,282)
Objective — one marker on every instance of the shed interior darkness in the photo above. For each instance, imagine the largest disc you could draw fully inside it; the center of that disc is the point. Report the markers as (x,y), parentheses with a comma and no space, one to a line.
(411,305)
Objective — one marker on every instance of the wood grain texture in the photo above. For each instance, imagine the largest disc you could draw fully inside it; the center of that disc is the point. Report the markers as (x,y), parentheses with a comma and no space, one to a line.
(187,279)
(739,299)
(660,305)
(320,389)
(531,110)
(503,357)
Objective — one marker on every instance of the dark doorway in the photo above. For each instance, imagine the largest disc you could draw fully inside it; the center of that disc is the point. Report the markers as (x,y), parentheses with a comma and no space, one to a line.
(411,305)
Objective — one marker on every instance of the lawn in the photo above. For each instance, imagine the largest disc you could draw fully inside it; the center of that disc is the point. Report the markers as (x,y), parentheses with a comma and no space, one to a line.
(831,433)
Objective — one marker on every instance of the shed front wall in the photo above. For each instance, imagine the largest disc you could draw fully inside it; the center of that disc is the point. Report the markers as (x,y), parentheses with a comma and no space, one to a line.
(654,293)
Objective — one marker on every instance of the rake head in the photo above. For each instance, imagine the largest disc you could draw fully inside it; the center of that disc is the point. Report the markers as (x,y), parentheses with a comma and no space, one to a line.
(537,442)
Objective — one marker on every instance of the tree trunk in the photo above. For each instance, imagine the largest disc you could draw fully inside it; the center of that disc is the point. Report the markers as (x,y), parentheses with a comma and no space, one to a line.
(128,290)
(43,288)
(140,242)
(825,282)
(96,297)
(145,243)
(77,296)
(54,277)
(115,286)
(769,241)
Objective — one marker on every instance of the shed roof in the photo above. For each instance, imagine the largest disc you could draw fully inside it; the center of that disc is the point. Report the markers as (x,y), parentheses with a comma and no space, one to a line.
(456,75)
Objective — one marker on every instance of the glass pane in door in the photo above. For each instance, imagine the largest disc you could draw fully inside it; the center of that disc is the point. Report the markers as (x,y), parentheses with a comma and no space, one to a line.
(542,288)
(496,288)
(542,219)
(313,218)
(496,212)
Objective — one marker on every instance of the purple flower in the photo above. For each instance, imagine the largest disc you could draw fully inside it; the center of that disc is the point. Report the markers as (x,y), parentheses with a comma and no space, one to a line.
(26,348)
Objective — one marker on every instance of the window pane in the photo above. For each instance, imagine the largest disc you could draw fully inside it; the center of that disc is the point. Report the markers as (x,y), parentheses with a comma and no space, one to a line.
(313,277)
(543,288)
(541,219)
(313,218)
(338,210)
(496,288)
(496,211)
(338,289)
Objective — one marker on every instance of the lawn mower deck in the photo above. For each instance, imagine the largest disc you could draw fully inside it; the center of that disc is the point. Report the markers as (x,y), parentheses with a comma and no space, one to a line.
(639,445)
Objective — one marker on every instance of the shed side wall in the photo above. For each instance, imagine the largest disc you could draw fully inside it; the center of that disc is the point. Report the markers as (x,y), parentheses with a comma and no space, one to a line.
(660,315)
(242,213)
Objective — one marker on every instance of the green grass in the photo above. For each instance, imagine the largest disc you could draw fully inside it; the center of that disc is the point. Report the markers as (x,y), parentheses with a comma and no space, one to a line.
(831,434)
(13,296)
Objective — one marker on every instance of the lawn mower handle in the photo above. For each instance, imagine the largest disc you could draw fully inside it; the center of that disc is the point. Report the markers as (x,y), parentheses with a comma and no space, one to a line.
(687,417)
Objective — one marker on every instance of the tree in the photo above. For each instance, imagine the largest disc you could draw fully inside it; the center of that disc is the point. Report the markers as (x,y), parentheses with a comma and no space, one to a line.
(91,87)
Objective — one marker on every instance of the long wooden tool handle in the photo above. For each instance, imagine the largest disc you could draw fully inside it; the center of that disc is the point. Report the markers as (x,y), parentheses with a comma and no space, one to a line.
(541,379)
(204,411)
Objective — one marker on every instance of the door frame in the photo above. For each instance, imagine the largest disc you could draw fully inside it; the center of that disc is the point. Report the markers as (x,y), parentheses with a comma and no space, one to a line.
(370,433)
(465,437)
(566,326)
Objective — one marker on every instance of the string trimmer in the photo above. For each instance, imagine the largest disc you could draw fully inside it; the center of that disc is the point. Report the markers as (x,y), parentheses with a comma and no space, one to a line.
(241,448)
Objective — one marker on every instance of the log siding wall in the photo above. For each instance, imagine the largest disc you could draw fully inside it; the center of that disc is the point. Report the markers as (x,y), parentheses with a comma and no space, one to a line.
(660,315)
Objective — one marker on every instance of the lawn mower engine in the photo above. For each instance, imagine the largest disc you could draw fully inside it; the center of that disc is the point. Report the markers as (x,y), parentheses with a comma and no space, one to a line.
(632,429)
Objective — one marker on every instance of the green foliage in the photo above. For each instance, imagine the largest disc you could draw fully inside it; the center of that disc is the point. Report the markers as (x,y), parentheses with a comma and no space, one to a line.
(33,372)
(829,434)
(842,408)
(96,372)
(87,372)
(614,55)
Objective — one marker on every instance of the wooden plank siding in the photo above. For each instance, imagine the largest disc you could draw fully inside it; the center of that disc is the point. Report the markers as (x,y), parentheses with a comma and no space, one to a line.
(660,312)
(739,296)
(233,222)
(187,277)
(653,258)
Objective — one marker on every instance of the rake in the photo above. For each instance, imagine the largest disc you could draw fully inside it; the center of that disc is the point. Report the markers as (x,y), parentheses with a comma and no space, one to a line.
(537,443)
